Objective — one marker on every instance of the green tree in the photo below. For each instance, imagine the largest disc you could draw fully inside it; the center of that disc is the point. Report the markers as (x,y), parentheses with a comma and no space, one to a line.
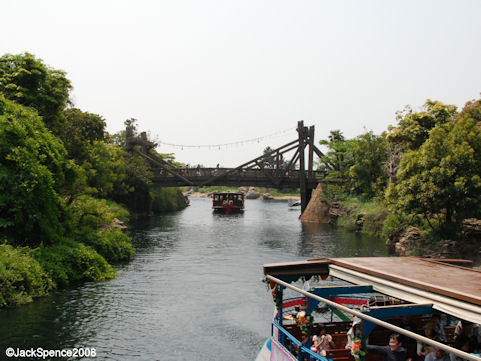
(339,154)
(367,175)
(472,109)
(35,174)
(442,179)
(28,81)
(414,127)
(82,129)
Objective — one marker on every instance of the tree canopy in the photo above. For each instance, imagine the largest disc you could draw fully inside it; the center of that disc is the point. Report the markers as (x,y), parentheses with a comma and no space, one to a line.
(82,129)
(34,175)
(442,179)
(413,128)
(26,80)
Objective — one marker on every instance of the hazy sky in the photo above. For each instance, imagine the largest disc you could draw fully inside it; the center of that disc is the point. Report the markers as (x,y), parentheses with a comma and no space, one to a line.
(219,71)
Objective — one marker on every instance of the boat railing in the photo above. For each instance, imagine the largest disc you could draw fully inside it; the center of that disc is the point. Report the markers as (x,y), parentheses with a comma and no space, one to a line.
(375,321)
(295,344)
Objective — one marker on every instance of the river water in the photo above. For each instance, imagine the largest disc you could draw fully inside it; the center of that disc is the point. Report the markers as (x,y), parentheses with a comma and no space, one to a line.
(192,292)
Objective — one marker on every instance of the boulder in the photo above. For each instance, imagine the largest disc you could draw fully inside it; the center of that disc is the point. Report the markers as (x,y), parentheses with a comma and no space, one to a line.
(337,209)
(117,223)
(411,242)
(472,228)
(242,190)
(252,193)
(267,196)
(360,221)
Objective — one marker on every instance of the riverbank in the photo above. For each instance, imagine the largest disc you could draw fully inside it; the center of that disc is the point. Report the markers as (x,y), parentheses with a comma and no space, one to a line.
(404,235)
(97,241)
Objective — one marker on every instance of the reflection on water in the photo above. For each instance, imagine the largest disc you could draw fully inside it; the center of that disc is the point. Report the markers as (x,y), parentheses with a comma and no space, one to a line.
(192,292)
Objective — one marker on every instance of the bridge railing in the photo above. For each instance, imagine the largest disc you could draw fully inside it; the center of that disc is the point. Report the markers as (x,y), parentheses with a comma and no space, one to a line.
(239,173)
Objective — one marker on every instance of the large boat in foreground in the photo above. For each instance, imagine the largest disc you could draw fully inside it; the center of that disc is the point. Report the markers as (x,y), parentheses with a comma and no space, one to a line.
(380,294)
(228,202)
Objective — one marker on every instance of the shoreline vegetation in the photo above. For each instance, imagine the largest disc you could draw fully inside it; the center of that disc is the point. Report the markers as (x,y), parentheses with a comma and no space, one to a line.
(417,185)
(68,187)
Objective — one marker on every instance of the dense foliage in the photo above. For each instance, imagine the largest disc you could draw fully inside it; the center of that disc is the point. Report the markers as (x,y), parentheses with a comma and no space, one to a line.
(442,179)
(26,80)
(34,174)
(66,185)
(426,171)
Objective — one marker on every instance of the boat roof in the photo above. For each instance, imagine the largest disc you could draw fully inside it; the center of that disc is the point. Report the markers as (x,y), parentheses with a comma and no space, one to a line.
(450,288)
(237,193)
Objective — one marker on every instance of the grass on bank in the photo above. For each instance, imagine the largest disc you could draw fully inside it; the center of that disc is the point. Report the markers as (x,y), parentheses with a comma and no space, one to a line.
(374,214)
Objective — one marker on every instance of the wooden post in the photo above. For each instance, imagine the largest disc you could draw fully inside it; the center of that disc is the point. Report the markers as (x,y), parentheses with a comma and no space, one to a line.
(311,152)
(310,167)
(302,167)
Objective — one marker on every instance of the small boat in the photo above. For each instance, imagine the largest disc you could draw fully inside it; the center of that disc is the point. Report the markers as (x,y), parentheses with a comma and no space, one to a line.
(293,202)
(228,202)
(371,295)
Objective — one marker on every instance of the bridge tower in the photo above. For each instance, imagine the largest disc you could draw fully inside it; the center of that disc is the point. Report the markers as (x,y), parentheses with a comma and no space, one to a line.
(306,176)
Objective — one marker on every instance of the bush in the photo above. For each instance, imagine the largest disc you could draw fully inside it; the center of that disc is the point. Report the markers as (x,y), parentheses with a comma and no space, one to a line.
(91,212)
(167,200)
(92,220)
(111,243)
(71,261)
(21,276)
(34,175)
(374,222)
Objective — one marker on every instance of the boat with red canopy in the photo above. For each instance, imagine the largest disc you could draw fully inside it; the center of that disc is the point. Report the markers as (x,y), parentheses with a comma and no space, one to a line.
(228,202)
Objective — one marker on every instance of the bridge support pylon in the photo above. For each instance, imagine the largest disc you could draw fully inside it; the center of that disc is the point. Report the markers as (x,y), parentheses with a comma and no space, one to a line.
(306,137)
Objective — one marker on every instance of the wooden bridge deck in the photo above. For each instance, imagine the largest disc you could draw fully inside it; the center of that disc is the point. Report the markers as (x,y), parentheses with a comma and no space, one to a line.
(269,178)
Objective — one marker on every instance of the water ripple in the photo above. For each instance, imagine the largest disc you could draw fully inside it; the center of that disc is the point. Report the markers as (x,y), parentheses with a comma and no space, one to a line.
(192,292)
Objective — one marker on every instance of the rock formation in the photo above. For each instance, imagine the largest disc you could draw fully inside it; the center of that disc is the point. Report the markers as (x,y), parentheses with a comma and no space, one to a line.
(317,210)
(252,193)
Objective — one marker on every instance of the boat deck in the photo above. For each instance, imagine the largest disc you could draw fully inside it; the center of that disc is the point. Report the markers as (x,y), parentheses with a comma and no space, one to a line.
(444,279)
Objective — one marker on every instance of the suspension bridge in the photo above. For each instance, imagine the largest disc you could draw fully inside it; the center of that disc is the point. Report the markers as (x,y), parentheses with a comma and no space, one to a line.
(287,166)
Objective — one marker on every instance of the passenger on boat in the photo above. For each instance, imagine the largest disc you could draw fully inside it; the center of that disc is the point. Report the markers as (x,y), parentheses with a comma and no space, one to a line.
(471,331)
(423,349)
(437,355)
(354,332)
(293,315)
(322,342)
(408,324)
(438,328)
(462,343)
(392,352)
